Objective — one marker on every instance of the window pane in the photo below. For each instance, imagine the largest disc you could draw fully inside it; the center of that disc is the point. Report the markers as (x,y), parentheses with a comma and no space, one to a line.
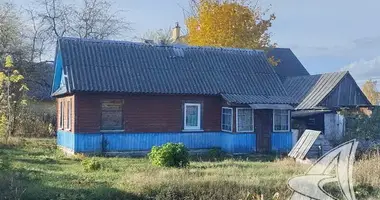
(112,116)
(191,116)
(61,115)
(226,119)
(281,120)
(245,120)
(68,115)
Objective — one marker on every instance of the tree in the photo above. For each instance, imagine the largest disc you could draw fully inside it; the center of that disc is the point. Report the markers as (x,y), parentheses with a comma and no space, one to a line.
(370,91)
(159,36)
(12,97)
(93,19)
(228,23)
(11,29)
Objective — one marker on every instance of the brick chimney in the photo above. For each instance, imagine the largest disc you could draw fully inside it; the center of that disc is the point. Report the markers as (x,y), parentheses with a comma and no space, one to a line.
(176,32)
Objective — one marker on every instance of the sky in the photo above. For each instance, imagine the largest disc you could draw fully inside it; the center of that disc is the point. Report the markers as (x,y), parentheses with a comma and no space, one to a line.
(326,35)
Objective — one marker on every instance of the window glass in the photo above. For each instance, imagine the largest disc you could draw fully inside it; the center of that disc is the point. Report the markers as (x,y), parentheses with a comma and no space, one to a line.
(192,116)
(244,119)
(61,115)
(227,119)
(281,120)
(112,115)
(68,115)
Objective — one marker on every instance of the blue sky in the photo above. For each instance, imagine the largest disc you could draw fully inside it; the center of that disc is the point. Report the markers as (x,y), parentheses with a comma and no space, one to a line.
(326,35)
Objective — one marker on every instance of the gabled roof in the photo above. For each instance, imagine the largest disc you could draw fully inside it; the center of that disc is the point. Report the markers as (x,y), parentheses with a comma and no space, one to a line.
(39,78)
(288,64)
(115,66)
(311,91)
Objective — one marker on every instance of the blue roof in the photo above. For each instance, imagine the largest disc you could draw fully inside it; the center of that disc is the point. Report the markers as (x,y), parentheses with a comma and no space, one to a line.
(127,67)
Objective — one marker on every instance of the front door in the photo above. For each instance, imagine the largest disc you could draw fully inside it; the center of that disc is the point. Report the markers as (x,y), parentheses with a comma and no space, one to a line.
(263,130)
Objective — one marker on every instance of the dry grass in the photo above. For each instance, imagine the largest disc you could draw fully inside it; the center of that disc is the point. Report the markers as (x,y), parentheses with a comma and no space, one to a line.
(38,171)
(229,179)
(367,171)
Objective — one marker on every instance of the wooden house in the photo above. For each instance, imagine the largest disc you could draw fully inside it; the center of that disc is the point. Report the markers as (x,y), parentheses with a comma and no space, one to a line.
(115,96)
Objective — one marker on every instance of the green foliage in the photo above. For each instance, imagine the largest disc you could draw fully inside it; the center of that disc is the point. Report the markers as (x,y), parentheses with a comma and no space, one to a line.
(12,98)
(3,125)
(216,154)
(91,164)
(169,155)
(8,61)
(361,126)
(4,162)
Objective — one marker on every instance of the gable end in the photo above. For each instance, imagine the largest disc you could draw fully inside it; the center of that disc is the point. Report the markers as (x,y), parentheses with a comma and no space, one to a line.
(345,94)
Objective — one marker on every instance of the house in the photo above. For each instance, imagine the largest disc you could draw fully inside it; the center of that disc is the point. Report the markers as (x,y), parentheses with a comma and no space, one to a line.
(115,96)
(39,78)
(319,97)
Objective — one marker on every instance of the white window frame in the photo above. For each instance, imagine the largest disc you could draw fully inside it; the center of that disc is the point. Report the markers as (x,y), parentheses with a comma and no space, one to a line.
(237,120)
(61,117)
(274,123)
(232,119)
(198,127)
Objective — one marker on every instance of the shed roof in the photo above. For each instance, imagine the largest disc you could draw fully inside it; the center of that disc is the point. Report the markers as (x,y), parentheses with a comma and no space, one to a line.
(115,66)
(310,91)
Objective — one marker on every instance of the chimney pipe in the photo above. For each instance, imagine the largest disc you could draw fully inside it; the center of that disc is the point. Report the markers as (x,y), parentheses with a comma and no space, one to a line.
(176,33)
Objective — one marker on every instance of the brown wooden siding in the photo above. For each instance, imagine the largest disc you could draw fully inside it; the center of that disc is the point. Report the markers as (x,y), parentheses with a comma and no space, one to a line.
(347,93)
(65,101)
(147,113)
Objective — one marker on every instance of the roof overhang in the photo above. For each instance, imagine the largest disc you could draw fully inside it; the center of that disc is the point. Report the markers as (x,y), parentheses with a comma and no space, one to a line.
(306,113)
(272,106)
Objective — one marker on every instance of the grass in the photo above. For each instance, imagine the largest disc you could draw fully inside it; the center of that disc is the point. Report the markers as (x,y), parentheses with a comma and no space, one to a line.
(35,169)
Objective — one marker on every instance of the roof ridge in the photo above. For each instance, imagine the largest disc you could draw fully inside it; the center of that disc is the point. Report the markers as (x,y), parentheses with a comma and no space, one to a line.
(338,72)
(173,46)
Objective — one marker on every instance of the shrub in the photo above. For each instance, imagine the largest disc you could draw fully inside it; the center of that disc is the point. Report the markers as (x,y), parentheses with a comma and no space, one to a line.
(91,165)
(169,155)
(216,154)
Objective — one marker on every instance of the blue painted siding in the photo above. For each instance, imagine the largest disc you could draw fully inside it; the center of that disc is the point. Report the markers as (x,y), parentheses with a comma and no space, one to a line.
(66,139)
(282,142)
(239,142)
(117,142)
(91,142)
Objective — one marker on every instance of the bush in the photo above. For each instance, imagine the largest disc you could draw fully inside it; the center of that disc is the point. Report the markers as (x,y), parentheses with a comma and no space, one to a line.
(35,125)
(91,165)
(169,155)
(216,154)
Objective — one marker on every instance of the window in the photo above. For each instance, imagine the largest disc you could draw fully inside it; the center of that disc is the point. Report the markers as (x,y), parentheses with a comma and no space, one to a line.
(192,116)
(244,120)
(61,115)
(68,116)
(112,115)
(281,120)
(227,114)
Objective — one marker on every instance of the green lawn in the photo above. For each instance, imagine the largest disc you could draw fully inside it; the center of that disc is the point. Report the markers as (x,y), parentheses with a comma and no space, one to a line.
(35,169)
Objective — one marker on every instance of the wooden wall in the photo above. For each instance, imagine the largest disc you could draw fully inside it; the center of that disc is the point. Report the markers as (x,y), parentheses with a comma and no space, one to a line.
(147,113)
(347,93)
(65,100)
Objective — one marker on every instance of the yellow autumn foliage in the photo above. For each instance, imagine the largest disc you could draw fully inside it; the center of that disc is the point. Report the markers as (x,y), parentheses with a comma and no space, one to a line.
(228,23)
(370,91)
(8,61)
